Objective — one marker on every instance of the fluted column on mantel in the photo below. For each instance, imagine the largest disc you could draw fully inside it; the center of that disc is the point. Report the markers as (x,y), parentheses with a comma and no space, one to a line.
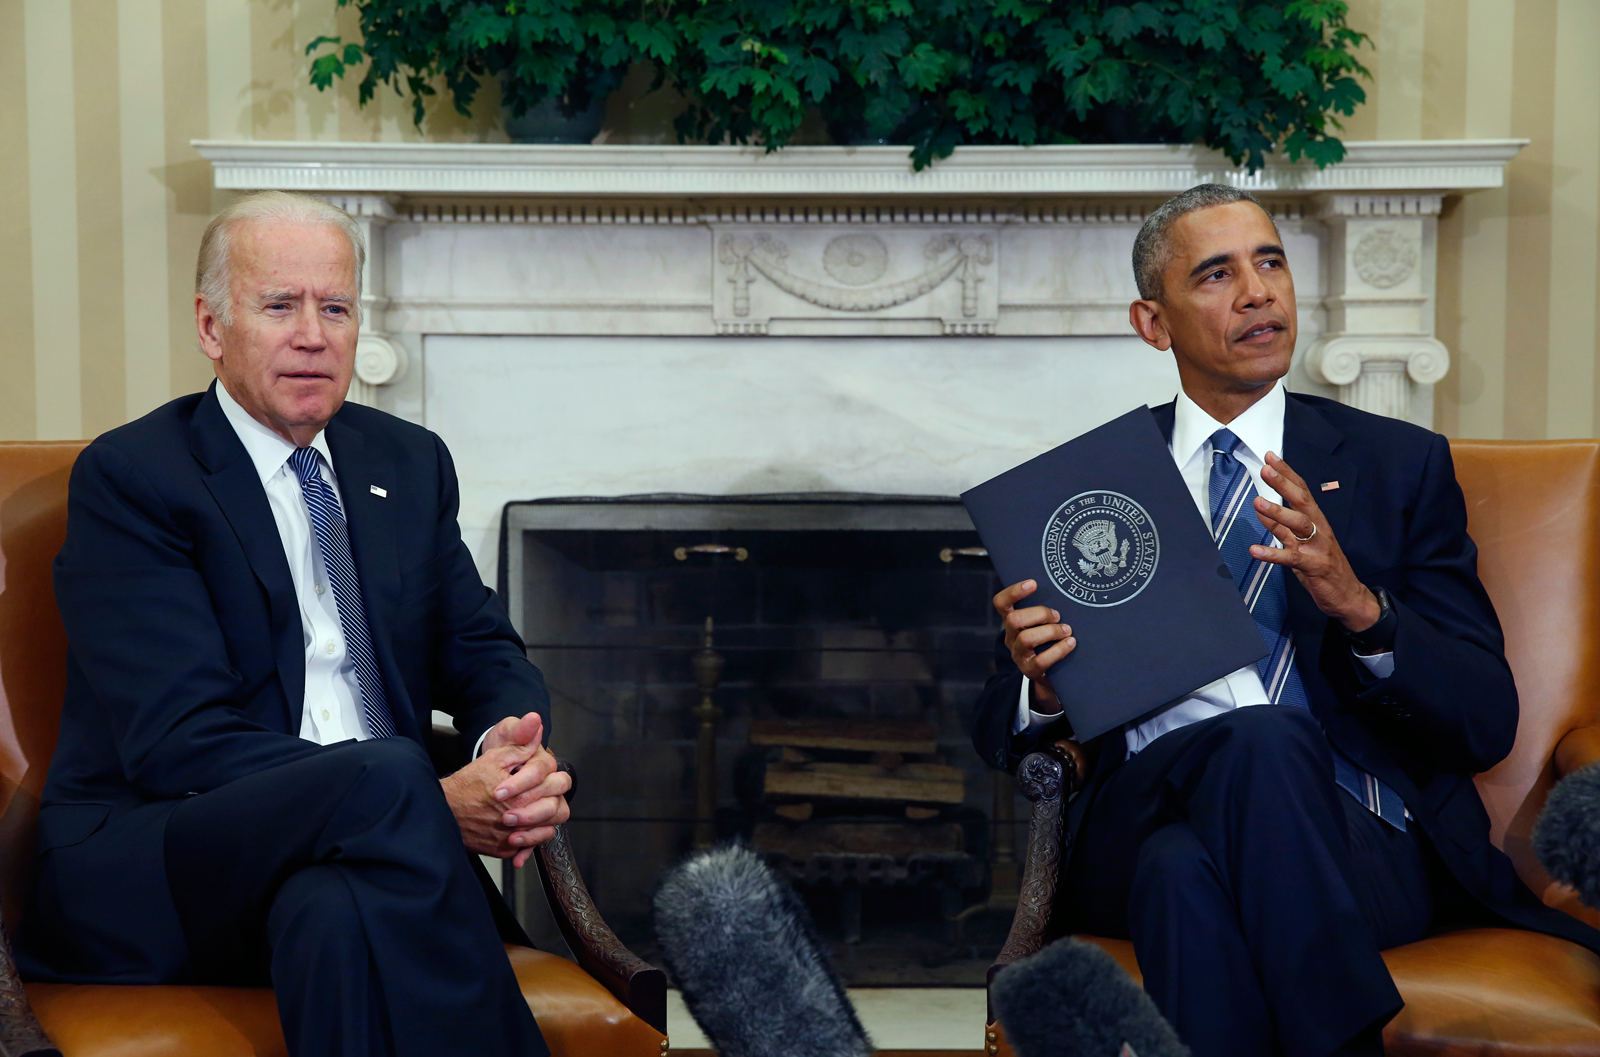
(379,359)
(1379,347)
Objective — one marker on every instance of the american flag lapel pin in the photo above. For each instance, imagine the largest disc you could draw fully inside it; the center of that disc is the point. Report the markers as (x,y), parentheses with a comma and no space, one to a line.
(1327,486)
(383,493)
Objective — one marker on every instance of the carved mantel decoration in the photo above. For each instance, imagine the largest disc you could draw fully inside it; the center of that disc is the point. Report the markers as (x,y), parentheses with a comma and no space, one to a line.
(861,273)
(1379,340)
(849,242)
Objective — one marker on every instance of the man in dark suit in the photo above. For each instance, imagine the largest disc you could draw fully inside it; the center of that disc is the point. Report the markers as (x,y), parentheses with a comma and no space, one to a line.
(1263,838)
(266,596)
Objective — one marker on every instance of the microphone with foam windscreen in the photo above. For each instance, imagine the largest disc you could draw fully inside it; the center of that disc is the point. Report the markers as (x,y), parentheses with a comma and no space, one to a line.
(1073,1000)
(753,971)
(1567,836)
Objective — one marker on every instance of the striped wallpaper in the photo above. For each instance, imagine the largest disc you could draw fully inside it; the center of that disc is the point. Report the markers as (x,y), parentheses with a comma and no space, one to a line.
(102,209)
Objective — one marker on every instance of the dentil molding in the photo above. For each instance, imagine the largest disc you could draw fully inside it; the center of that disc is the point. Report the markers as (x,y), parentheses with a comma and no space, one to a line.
(655,172)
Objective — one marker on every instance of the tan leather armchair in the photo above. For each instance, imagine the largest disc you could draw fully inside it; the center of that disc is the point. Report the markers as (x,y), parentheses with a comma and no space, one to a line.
(609,1002)
(1534,510)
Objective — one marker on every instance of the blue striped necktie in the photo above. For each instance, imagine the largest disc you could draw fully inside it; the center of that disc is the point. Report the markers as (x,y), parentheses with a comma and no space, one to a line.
(1236,529)
(333,540)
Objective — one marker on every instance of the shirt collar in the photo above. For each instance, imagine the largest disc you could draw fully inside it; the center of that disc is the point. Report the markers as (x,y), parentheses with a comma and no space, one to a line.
(1259,428)
(266,449)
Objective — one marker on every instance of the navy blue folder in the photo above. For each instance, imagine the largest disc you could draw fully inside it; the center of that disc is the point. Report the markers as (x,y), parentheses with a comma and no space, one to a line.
(1106,526)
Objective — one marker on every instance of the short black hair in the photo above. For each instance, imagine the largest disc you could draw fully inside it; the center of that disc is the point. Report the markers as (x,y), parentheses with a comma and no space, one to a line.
(1151,250)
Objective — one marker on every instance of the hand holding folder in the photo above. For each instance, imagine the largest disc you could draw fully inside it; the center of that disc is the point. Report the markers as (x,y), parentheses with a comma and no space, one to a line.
(1106,527)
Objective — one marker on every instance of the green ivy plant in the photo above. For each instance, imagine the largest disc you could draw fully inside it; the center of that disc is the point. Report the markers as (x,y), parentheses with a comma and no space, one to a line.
(571,50)
(1247,77)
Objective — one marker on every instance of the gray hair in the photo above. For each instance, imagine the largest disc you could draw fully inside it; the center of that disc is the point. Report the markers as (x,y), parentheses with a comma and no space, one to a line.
(1152,251)
(213,273)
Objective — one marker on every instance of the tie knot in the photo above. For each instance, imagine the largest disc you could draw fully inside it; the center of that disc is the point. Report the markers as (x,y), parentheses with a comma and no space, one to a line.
(304,461)
(1222,442)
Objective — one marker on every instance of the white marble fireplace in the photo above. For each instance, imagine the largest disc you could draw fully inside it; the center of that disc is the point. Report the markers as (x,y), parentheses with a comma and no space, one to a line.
(607,320)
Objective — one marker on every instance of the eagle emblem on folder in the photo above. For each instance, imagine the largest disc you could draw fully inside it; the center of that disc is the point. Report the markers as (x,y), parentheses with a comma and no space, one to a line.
(1100,548)
(1097,542)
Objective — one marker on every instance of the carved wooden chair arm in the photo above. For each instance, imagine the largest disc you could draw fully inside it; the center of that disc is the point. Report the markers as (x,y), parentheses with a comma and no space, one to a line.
(20,1033)
(637,984)
(1048,778)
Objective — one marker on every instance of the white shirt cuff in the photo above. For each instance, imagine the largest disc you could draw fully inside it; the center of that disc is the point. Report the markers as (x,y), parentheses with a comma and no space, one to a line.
(1381,665)
(1026,718)
(477,750)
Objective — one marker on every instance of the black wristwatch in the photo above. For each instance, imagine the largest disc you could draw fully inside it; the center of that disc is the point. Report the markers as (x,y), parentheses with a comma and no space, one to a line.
(1379,638)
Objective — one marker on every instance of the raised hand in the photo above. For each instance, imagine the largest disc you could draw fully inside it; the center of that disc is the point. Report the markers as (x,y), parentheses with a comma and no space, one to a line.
(1310,549)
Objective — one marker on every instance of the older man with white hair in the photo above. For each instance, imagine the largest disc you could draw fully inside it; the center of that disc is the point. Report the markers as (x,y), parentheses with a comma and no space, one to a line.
(266,595)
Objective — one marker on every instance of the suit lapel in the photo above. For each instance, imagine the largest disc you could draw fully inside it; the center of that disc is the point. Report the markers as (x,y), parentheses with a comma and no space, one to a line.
(236,487)
(364,471)
(1311,447)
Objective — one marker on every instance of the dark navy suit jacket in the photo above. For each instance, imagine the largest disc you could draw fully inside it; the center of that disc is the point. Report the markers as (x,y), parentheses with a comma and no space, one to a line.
(1448,711)
(186,667)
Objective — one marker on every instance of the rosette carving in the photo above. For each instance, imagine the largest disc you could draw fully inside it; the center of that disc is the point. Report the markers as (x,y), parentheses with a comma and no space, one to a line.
(856,260)
(1040,777)
(1385,257)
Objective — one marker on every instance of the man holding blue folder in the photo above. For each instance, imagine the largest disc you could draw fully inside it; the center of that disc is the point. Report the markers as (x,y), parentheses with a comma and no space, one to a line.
(1262,838)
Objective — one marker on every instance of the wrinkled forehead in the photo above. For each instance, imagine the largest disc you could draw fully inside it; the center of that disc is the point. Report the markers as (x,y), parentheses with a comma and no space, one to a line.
(1233,229)
(291,255)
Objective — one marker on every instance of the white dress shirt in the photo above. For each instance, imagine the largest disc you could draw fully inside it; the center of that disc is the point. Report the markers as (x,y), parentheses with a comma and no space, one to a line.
(1260,430)
(332,711)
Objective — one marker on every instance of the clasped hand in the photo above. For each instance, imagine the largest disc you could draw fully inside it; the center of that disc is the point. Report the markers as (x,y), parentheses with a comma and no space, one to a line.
(1036,638)
(512,797)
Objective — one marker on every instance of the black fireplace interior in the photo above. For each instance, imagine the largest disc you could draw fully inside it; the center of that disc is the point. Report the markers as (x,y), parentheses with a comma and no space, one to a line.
(848,638)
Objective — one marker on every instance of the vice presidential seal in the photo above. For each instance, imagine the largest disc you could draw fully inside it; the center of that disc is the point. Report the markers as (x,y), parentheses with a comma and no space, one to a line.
(1100,548)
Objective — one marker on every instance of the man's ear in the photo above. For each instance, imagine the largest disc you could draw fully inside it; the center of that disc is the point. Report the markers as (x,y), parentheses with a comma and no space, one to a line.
(208,326)
(1146,320)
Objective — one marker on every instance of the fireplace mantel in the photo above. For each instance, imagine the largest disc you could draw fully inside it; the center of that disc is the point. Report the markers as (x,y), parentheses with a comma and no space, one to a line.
(702,290)
(1021,241)
(664,172)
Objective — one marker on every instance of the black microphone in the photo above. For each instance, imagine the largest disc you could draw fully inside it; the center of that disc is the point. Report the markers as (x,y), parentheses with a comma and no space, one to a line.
(754,973)
(1073,1000)
(1567,836)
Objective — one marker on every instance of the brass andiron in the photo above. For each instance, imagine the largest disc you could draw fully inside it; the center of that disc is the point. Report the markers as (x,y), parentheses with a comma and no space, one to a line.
(708,665)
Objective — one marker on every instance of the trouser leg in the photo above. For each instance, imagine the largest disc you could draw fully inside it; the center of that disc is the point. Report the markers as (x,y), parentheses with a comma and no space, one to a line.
(1196,963)
(319,947)
(1256,788)
(373,814)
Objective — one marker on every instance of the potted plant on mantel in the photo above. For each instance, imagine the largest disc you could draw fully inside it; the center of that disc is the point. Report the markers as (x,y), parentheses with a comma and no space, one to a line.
(1246,77)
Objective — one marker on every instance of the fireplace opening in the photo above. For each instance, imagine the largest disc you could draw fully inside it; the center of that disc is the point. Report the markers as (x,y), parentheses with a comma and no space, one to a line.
(794,671)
